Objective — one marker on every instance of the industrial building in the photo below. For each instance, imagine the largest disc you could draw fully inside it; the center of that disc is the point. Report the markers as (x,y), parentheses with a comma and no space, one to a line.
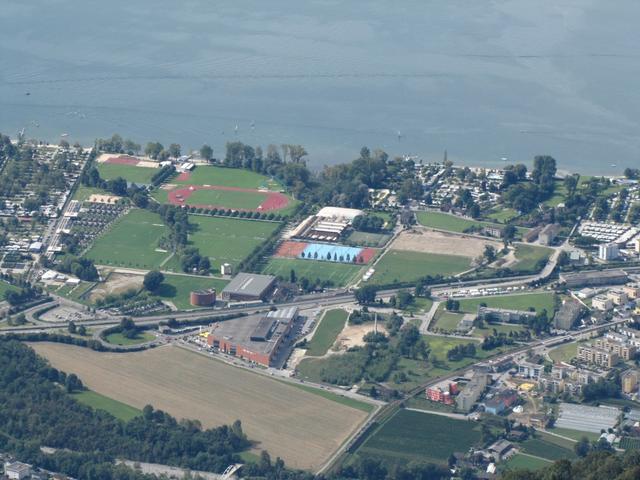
(248,286)
(504,315)
(594,278)
(256,338)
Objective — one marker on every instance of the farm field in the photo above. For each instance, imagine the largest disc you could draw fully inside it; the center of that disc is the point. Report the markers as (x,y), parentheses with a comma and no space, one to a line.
(177,288)
(415,436)
(119,339)
(404,266)
(226,177)
(131,173)
(520,461)
(131,242)
(528,257)
(100,402)
(542,447)
(575,434)
(341,274)
(325,335)
(228,239)
(301,427)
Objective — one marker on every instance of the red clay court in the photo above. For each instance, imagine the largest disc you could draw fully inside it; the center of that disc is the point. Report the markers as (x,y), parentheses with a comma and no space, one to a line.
(273,200)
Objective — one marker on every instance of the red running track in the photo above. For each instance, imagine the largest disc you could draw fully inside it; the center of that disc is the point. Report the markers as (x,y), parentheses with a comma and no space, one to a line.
(274,200)
(123,160)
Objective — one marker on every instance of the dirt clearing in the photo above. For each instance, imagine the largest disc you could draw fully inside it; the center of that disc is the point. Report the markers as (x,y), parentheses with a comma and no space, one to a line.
(301,427)
(352,335)
(116,284)
(429,241)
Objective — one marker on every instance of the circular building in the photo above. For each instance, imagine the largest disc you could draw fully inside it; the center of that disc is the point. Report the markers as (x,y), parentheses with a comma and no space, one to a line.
(203,298)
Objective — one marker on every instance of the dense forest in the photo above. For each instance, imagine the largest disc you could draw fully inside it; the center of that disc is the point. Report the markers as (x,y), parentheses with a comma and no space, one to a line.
(36,410)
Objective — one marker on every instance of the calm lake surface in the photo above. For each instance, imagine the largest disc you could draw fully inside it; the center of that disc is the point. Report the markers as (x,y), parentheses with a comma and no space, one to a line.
(484,80)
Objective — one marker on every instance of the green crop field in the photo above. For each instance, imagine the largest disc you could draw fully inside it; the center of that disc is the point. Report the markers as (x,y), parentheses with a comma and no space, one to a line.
(131,173)
(404,266)
(131,241)
(528,257)
(325,335)
(120,339)
(100,402)
(521,461)
(541,447)
(176,288)
(539,301)
(575,434)
(415,436)
(228,177)
(341,274)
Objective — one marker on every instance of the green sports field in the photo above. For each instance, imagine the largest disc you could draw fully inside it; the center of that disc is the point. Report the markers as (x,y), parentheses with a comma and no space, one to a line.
(341,274)
(228,177)
(100,402)
(453,223)
(177,288)
(539,301)
(325,335)
(228,240)
(131,242)
(227,199)
(529,256)
(404,266)
(131,173)
(414,436)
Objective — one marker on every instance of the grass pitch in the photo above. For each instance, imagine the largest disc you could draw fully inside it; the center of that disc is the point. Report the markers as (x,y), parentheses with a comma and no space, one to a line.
(228,240)
(404,266)
(131,173)
(341,274)
(325,335)
(131,242)
(301,427)
(100,402)
(421,437)
(227,199)
(228,177)
(529,257)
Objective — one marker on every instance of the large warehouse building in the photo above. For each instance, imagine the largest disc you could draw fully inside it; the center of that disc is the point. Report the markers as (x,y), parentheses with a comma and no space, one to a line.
(248,286)
(257,338)
(594,278)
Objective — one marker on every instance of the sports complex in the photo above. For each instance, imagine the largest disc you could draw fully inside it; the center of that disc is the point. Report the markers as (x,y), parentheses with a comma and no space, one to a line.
(326,252)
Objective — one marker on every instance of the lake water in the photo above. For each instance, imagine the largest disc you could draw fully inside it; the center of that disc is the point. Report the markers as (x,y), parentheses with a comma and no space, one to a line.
(484,80)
